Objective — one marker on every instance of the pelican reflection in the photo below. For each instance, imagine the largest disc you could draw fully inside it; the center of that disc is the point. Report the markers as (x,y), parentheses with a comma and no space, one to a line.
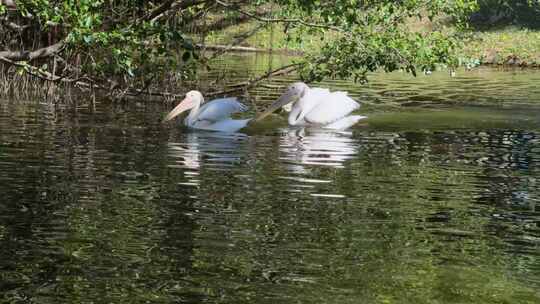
(210,150)
(319,147)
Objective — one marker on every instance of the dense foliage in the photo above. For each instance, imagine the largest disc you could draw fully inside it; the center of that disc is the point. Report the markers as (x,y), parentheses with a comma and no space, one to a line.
(133,43)
(520,12)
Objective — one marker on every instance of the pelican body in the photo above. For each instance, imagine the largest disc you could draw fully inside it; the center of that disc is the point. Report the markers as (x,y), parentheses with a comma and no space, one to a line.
(316,107)
(214,115)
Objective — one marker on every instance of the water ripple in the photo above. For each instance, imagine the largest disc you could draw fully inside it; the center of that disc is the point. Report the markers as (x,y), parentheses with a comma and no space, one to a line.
(110,205)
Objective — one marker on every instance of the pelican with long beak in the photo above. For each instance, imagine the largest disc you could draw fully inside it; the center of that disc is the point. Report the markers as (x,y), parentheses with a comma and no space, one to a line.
(214,115)
(316,107)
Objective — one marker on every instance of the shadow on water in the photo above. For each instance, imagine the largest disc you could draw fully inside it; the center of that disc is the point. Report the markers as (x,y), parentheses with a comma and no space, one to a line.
(414,205)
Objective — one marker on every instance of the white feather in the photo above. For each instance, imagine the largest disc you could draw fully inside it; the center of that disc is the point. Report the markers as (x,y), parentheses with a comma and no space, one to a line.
(345,122)
(330,107)
(220,109)
(318,107)
(224,125)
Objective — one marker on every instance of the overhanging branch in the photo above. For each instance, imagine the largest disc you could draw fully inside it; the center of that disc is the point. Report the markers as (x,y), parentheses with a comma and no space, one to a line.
(244,85)
(170,6)
(29,56)
(279,20)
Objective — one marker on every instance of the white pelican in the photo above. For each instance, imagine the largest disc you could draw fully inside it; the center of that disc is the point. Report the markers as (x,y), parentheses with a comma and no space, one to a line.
(214,115)
(316,107)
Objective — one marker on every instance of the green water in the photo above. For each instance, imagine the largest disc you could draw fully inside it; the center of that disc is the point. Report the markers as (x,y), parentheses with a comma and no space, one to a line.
(431,202)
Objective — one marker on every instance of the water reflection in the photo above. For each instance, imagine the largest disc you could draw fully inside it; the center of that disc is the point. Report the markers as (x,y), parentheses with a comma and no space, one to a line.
(416,207)
(316,147)
(299,148)
(211,150)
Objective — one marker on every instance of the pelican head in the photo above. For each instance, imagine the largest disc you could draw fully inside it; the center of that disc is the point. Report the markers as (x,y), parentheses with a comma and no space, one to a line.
(293,93)
(192,100)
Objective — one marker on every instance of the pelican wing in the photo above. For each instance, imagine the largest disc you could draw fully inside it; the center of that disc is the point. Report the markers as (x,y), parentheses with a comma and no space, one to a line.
(227,125)
(220,109)
(331,108)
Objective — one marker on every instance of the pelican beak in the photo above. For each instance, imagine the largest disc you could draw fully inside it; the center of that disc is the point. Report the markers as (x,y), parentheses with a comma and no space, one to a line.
(185,105)
(284,99)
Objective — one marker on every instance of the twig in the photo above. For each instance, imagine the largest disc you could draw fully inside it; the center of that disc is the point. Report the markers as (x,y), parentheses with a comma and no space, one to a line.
(241,86)
(159,10)
(233,45)
(244,85)
(171,6)
(220,49)
(281,20)
(46,76)
(15,27)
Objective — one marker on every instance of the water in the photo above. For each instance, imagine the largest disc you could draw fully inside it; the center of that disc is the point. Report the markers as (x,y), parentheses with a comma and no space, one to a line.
(432,203)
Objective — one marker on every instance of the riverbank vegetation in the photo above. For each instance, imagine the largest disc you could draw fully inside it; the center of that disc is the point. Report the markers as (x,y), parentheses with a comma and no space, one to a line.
(128,48)
(136,48)
(506,46)
(505,33)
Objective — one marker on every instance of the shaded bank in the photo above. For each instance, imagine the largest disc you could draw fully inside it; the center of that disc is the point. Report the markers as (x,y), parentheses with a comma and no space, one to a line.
(505,46)
(480,86)
(495,13)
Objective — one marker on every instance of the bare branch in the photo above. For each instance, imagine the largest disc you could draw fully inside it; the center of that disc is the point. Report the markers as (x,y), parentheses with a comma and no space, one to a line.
(238,87)
(226,22)
(159,10)
(280,20)
(15,27)
(170,6)
(220,49)
(44,75)
(28,56)
(244,85)
(237,41)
